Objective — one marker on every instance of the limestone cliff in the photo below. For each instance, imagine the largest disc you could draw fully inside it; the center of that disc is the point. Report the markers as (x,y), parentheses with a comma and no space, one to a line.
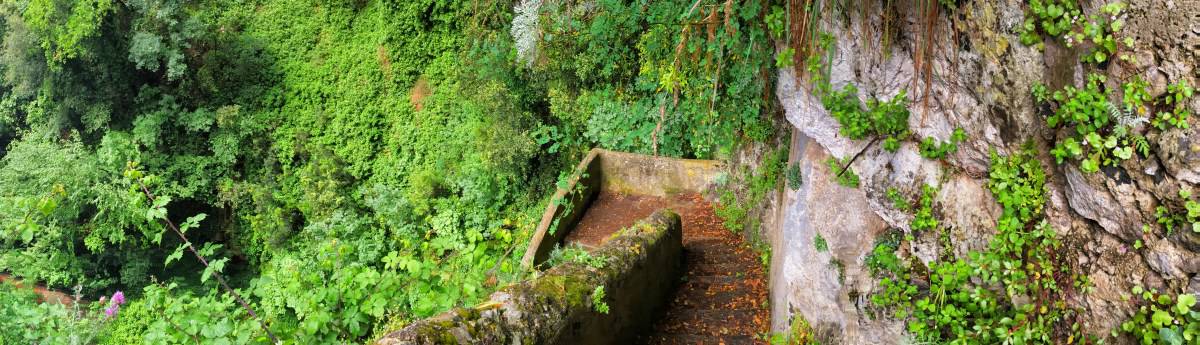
(980,81)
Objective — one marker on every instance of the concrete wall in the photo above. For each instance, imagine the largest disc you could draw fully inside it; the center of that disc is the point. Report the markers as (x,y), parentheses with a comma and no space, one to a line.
(643,264)
(619,172)
(564,210)
(632,173)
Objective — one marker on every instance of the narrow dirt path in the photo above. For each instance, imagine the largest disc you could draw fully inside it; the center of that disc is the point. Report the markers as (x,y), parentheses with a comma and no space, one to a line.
(722,298)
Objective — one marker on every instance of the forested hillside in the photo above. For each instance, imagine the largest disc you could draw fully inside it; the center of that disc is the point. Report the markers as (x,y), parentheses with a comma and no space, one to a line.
(310,171)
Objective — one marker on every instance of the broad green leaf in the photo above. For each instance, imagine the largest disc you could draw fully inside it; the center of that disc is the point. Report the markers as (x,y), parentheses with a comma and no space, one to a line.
(1184,303)
(214,267)
(176,255)
(1170,336)
(1161,318)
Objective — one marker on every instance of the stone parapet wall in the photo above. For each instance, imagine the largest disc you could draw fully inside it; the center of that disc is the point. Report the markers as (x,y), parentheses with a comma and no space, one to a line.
(642,265)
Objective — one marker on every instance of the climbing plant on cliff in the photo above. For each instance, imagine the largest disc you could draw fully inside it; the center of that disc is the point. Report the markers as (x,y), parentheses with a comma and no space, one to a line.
(1017,291)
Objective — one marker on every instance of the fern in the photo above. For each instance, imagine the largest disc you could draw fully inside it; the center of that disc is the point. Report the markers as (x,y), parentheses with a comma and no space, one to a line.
(1142,146)
(1124,117)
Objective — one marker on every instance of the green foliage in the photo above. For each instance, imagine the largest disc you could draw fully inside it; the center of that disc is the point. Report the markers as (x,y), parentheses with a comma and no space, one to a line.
(799,332)
(577,254)
(932,149)
(794,176)
(598,303)
(882,258)
(1099,30)
(1050,17)
(1097,139)
(924,219)
(1176,100)
(957,305)
(359,162)
(898,199)
(26,320)
(885,119)
(819,243)
(655,87)
(1065,19)
(845,178)
(1188,217)
(734,209)
(1040,95)
(1161,319)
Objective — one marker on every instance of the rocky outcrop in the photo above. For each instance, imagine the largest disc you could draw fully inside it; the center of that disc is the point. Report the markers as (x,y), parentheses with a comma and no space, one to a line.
(981,81)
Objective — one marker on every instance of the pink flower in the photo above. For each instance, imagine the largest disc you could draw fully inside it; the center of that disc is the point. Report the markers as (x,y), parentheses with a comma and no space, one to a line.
(114,305)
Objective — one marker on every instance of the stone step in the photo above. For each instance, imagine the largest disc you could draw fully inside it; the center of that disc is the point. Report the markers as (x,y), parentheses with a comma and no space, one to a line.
(727,268)
(704,299)
(676,338)
(709,321)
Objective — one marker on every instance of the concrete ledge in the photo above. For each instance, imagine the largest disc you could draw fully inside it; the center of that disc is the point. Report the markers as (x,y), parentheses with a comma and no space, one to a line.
(564,210)
(620,172)
(631,173)
(643,265)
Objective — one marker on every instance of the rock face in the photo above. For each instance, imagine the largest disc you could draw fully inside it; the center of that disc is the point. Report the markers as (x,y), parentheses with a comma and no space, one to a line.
(981,81)
(806,278)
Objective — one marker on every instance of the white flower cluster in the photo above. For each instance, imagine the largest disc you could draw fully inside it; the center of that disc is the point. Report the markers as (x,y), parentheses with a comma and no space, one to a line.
(525,30)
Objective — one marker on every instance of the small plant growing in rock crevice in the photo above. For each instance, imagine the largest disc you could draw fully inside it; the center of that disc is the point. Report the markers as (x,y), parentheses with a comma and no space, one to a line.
(794,176)
(968,300)
(598,302)
(924,219)
(847,177)
(930,148)
(1095,137)
(898,199)
(1178,94)
(820,244)
(1162,319)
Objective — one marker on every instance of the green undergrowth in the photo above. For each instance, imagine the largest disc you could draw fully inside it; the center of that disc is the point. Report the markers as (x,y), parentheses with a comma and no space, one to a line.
(1015,291)
(735,207)
(360,164)
(1162,319)
(845,177)
(799,332)
(931,148)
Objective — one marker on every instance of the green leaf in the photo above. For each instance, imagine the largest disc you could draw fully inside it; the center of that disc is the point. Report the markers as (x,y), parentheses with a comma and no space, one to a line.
(1170,336)
(1161,318)
(1089,165)
(214,267)
(192,222)
(1184,303)
(176,255)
